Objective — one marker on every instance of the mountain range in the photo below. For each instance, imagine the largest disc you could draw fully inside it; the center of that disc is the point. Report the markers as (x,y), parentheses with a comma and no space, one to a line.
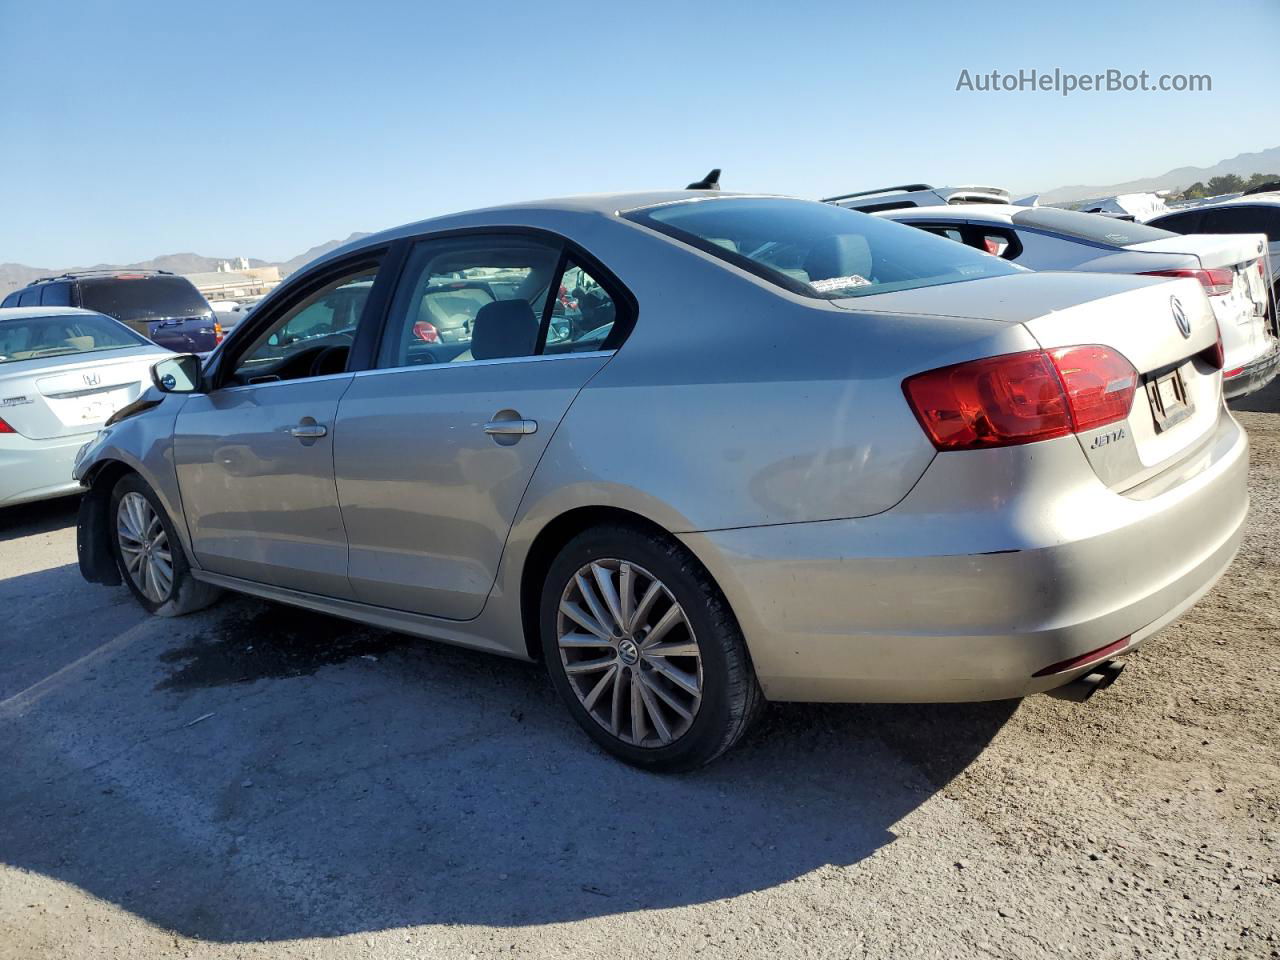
(14,275)
(1264,161)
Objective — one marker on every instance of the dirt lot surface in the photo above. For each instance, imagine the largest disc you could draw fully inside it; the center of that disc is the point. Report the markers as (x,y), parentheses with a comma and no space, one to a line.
(256,782)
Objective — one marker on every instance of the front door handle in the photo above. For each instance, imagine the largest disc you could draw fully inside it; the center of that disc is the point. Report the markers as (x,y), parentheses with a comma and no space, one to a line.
(510,428)
(308,431)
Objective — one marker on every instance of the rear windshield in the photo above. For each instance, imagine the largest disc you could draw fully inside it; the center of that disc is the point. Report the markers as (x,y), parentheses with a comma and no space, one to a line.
(56,336)
(1089,226)
(819,250)
(143,298)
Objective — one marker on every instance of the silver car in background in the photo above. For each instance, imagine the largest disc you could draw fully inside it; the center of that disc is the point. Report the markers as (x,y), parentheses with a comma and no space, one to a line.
(773,450)
(63,372)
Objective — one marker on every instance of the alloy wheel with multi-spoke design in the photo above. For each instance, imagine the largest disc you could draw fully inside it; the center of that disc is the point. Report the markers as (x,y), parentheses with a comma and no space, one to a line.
(144,547)
(629,653)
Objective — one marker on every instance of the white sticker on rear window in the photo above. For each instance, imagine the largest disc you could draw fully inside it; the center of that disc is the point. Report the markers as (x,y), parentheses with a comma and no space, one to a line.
(833,284)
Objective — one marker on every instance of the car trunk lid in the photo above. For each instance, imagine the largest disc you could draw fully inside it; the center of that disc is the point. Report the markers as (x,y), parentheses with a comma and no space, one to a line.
(55,397)
(1168,331)
(1133,315)
(1243,307)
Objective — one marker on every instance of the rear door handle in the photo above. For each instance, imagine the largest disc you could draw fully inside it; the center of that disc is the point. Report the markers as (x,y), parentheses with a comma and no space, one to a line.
(510,428)
(308,431)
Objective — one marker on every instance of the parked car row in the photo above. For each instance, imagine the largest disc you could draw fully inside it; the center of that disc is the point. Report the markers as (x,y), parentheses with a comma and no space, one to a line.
(164,308)
(63,372)
(695,451)
(1231,267)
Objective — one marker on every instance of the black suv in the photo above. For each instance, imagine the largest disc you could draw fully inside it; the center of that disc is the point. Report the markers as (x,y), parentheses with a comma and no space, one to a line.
(160,305)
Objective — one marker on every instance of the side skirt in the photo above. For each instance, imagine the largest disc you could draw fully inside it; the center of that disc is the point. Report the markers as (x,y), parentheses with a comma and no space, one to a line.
(452,632)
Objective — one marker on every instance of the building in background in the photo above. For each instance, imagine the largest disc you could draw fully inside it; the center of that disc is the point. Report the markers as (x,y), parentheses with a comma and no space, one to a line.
(236,280)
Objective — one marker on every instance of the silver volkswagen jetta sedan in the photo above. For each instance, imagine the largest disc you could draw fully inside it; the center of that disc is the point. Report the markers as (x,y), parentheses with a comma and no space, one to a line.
(698,452)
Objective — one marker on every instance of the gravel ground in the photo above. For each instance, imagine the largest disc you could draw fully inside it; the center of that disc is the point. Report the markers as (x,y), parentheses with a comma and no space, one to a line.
(257,782)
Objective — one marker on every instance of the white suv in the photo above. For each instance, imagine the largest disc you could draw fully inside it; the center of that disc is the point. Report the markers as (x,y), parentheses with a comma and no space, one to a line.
(1232,269)
(917,195)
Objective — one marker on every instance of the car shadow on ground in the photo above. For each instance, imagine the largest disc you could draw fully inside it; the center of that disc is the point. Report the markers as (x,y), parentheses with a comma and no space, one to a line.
(43,516)
(258,773)
(1266,400)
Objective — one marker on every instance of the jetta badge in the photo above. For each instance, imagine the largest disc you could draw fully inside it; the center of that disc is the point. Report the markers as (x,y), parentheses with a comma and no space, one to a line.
(92,379)
(1180,317)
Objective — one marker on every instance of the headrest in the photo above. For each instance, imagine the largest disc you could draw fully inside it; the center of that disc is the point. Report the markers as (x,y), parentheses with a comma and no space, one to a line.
(504,328)
(842,255)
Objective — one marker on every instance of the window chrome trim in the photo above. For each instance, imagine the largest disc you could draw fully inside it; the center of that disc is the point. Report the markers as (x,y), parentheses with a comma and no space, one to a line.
(485,363)
(242,387)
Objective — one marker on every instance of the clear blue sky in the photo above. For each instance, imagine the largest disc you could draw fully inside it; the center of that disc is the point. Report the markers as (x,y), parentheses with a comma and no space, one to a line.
(259,129)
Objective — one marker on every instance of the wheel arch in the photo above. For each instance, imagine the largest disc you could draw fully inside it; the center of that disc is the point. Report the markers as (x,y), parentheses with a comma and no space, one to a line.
(551,539)
(93,525)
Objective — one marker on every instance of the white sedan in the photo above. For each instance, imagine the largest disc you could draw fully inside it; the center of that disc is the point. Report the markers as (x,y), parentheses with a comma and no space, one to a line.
(1231,268)
(63,372)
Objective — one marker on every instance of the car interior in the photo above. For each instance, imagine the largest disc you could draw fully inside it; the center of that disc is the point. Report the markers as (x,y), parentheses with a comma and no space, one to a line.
(52,336)
(818,250)
(312,340)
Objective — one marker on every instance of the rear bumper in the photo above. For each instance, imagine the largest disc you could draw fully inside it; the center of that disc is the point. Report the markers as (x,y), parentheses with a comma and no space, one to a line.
(1254,376)
(974,583)
(38,469)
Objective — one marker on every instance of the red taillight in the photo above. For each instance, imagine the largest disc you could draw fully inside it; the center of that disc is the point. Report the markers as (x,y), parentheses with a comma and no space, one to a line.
(994,402)
(1217,355)
(1022,397)
(1099,382)
(217,332)
(5,428)
(1084,659)
(1228,374)
(426,332)
(1216,281)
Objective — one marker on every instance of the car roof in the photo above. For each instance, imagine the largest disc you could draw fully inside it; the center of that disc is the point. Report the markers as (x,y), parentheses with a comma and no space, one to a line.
(1002,212)
(1272,197)
(26,313)
(537,213)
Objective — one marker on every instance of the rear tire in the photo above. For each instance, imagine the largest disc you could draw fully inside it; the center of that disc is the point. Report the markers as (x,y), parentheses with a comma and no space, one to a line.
(149,554)
(665,687)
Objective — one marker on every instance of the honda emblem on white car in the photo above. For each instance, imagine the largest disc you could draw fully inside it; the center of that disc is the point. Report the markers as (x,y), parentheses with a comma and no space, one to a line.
(1180,317)
(92,379)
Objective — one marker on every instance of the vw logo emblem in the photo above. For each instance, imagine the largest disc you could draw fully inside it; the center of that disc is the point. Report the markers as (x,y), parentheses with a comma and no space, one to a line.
(92,379)
(628,652)
(1180,317)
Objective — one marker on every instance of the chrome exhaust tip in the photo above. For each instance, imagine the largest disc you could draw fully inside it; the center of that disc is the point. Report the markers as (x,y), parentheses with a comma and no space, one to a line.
(1098,677)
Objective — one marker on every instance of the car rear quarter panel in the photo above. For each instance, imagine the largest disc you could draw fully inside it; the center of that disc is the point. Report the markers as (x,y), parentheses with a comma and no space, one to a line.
(736,404)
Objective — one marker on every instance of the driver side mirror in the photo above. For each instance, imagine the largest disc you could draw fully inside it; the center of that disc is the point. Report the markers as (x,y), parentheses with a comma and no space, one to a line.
(177,374)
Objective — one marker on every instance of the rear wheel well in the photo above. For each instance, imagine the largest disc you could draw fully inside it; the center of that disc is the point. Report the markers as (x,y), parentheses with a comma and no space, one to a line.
(548,544)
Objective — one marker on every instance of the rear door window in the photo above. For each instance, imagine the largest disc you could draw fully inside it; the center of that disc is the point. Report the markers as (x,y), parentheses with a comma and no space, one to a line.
(1186,222)
(475,297)
(56,295)
(583,314)
(143,297)
(951,233)
(1244,219)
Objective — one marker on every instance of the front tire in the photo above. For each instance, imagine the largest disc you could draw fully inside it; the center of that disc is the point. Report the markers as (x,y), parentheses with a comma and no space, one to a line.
(149,554)
(644,650)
